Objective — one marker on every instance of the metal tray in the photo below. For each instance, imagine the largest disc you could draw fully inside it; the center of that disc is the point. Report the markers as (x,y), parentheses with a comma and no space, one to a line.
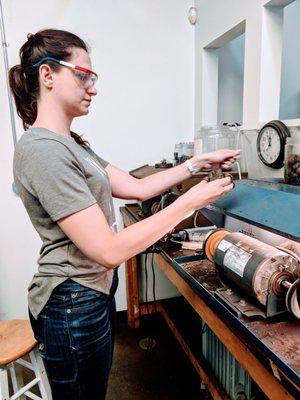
(229,318)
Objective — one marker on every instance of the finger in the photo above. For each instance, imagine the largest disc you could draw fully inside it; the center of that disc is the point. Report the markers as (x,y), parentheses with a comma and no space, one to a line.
(233,157)
(230,176)
(236,151)
(215,166)
(229,155)
(231,151)
(226,166)
(228,162)
(223,181)
(229,187)
(233,154)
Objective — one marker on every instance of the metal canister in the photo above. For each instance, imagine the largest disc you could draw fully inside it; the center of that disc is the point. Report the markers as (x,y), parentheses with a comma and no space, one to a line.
(292,161)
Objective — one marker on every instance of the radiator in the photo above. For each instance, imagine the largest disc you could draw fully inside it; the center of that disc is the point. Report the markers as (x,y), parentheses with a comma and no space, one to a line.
(232,376)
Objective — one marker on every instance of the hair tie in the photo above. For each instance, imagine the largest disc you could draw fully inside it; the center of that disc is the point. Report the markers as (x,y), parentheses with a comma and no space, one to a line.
(30,36)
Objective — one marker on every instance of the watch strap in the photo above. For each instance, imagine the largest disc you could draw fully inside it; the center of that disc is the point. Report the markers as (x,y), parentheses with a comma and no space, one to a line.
(190,167)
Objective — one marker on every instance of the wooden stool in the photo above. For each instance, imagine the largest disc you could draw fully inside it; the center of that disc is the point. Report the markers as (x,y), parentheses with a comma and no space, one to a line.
(16,341)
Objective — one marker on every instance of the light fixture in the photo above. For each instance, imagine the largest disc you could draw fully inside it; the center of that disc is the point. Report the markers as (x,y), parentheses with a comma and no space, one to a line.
(192,15)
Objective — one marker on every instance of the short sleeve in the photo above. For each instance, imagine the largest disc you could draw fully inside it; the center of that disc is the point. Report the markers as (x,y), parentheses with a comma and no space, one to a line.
(51,173)
(103,162)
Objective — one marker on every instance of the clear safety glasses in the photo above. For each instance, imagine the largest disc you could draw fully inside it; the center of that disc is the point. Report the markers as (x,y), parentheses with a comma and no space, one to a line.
(85,77)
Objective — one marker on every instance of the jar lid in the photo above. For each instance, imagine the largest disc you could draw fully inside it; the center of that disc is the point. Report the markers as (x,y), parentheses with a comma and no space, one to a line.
(292,140)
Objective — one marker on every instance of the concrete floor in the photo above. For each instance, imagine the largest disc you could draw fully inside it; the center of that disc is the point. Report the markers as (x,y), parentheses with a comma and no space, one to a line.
(163,373)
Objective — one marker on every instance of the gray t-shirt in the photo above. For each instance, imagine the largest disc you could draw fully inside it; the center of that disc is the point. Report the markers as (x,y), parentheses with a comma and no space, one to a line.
(56,177)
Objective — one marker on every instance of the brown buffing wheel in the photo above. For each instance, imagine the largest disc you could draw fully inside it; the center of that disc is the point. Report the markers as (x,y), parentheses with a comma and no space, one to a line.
(212,242)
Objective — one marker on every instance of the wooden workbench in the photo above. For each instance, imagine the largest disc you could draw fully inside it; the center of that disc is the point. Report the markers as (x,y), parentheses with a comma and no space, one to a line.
(271,380)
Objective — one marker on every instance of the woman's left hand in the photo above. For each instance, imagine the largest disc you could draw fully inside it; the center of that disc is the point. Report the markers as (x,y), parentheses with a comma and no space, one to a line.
(223,158)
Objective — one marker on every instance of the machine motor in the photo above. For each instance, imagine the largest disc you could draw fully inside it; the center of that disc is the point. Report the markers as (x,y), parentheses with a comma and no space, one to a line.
(269,274)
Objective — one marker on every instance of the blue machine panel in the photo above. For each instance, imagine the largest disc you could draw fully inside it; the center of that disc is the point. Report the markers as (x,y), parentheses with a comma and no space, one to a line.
(274,206)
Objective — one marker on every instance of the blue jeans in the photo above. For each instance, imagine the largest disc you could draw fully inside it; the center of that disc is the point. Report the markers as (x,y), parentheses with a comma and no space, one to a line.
(75,332)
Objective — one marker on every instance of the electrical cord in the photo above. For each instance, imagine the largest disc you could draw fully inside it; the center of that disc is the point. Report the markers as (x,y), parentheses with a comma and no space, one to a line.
(146,282)
(153,282)
(158,206)
(150,335)
(167,198)
(175,241)
(195,219)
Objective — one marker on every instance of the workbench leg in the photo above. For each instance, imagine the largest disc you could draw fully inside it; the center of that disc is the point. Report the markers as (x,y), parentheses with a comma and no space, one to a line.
(132,292)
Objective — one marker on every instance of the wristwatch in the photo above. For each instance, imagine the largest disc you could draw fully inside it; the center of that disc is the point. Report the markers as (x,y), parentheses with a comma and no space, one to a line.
(190,167)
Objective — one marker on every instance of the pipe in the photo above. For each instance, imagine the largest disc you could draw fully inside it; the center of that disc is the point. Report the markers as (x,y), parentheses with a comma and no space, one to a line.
(290,252)
(237,147)
(6,66)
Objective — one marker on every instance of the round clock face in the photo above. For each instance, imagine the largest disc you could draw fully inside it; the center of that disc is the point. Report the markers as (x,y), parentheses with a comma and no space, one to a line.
(269,145)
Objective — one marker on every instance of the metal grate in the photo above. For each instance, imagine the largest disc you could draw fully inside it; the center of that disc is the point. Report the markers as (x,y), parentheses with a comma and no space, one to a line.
(233,377)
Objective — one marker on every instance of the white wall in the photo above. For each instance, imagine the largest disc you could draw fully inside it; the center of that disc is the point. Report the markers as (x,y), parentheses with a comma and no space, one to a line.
(231,71)
(221,22)
(218,18)
(290,76)
(262,22)
(144,53)
(231,81)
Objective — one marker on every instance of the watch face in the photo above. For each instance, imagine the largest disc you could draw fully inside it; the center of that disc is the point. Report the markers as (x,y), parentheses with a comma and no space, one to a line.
(269,145)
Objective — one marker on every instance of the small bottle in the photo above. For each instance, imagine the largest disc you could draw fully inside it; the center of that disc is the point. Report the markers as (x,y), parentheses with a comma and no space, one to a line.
(189,149)
(177,153)
(292,161)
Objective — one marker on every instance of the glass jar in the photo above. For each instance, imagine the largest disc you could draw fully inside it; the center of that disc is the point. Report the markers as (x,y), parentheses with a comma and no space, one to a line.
(183,151)
(188,149)
(178,149)
(218,137)
(292,161)
(198,143)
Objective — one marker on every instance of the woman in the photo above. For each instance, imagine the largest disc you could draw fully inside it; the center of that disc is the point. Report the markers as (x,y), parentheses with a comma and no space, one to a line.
(67,190)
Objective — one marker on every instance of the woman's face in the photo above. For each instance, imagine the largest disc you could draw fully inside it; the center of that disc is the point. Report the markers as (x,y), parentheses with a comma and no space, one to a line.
(72,91)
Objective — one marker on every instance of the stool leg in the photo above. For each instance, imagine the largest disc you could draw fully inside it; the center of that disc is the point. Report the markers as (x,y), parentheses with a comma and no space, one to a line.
(4,394)
(17,378)
(40,373)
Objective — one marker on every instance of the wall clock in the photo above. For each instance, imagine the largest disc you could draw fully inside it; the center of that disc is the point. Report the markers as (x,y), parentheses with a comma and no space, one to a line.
(270,143)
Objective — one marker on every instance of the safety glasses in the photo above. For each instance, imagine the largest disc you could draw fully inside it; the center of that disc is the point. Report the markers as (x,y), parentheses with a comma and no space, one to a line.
(85,77)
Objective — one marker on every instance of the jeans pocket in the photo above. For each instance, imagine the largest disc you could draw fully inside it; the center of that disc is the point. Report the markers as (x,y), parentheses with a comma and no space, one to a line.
(87,300)
(39,329)
(90,323)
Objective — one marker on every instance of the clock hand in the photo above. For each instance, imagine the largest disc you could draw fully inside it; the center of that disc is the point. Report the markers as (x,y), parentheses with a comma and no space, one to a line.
(269,141)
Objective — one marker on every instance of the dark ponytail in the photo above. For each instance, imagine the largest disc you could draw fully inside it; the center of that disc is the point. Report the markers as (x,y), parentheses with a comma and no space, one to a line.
(26,100)
(24,78)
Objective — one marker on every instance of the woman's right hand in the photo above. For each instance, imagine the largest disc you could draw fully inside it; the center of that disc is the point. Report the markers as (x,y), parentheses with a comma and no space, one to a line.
(205,193)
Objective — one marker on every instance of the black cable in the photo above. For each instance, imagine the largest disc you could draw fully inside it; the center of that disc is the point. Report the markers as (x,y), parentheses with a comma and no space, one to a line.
(153,282)
(152,249)
(146,288)
(150,338)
